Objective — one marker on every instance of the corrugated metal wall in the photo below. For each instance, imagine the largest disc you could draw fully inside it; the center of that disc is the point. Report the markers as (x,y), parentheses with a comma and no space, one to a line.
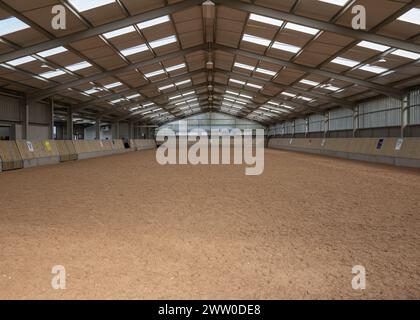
(300,126)
(214,120)
(414,104)
(384,112)
(340,119)
(316,123)
(9,109)
(288,127)
(39,113)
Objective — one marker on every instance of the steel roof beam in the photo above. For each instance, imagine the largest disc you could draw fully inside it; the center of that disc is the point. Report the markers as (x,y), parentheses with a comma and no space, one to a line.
(322,25)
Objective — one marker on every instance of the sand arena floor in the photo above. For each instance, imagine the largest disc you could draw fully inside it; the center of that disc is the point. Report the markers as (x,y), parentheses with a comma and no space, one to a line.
(125,227)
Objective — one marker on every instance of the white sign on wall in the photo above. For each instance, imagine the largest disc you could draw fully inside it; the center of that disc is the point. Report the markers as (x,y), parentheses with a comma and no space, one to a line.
(399,144)
(30,146)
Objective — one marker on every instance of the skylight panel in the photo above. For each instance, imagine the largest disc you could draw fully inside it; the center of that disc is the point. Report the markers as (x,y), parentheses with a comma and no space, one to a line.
(285,47)
(180,83)
(304,98)
(256,40)
(113,85)
(117,100)
(133,96)
(412,16)
(373,69)
(79,66)
(176,67)
(232,92)
(153,22)
(406,54)
(309,82)
(245,96)
(288,94)
(154,73)
(300,28)
(162,42)
(11,25)
(148,104)
(373,46)
(175,97)
(133,50)
(91,91)
(335,2)
(85,5)
(273,103)
(264,19)
(52,74)
(345,62)
(237,81)
(266,71)
(243,66)
(166,87)
(20,61)
(51,52)
(119,32)
(252,85)
(330,87)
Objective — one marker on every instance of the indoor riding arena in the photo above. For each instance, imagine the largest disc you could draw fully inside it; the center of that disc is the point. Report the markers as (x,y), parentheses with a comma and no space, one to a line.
(311,106)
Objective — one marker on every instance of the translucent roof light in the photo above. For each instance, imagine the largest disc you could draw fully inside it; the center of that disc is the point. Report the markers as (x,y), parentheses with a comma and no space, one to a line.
(23,60)
(256,40)
(412,16)
(119,32)
(113,85)
(406,54)
(345,62)
(162,42)
(243,66)
(300,28)
(52,74)
(51,52)
(265,71)
(373,46)
(154,73)
(285,47)
(373,69)
(336,2)
(176,67)
(85,5)
(79,66)
(134,50)
(264,19)
(11,25)
(309,82)
(153,22)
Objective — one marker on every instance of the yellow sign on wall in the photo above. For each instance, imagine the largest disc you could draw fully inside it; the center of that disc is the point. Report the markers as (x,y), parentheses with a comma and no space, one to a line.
(47,146)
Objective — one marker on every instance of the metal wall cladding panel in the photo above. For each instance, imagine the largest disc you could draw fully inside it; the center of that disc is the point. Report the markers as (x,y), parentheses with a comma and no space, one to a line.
(300,126)
(384,112)
(39,113)
(316,123)
(288,127)
(414,107)
(9,109)
(340,119)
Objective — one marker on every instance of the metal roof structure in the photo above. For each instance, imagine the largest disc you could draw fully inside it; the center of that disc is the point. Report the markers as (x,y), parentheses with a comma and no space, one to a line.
(156,61)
